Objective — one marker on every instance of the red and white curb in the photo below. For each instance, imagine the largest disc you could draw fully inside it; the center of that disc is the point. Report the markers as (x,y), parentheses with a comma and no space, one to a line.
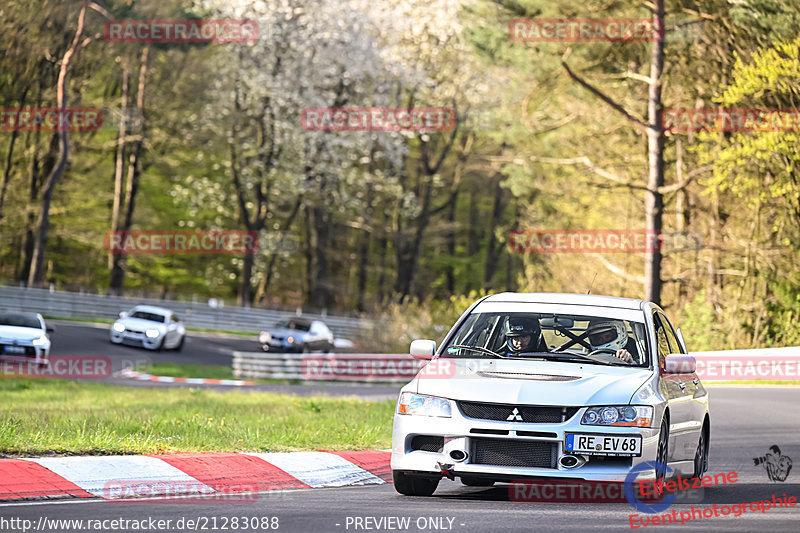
(132,374)
(123,476)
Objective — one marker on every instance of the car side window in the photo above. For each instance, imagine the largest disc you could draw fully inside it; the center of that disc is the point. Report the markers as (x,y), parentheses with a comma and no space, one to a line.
(661,341)
(674,346)
(671,335)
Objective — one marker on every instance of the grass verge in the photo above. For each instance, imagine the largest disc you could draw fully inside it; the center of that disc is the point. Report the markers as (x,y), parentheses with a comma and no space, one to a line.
(65,417)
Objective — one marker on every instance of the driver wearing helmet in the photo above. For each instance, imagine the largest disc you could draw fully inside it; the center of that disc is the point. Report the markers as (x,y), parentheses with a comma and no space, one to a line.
(610,336)
(523,334)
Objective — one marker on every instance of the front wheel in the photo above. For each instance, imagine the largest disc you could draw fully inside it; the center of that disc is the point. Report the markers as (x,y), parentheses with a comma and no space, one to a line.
(412,485)
(662,455)
(179,346)
(701,454)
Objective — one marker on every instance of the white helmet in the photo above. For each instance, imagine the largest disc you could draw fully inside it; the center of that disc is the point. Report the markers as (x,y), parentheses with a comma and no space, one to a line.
(608,334)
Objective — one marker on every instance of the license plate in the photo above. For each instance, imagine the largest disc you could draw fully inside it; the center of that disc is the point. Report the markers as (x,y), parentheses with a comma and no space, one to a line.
(15,349)
(596,444)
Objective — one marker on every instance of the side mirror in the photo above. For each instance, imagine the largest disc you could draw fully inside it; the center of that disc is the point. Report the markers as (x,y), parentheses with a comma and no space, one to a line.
(422,349)
(678,363)
(123,314)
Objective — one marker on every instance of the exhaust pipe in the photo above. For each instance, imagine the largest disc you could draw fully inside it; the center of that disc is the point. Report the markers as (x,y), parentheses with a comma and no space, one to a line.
(458,455)
(571,461)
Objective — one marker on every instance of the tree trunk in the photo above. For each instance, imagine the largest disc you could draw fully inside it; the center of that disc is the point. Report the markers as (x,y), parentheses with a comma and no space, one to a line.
(134,171)
(654,201)
(493,248)
(119,168)
(40,237)
(10,156)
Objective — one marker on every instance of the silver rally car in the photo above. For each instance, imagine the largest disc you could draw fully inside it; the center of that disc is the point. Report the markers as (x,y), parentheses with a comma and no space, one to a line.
(551,385)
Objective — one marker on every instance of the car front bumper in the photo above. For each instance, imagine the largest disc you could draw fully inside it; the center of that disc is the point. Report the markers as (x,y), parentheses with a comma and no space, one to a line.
(135,339)
(500,441)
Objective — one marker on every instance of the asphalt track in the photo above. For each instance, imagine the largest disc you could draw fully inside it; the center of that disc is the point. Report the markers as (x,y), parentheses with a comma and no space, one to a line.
(199,349)
(746,421)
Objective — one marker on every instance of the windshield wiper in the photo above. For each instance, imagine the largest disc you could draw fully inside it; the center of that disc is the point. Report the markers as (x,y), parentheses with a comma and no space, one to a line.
(477,349)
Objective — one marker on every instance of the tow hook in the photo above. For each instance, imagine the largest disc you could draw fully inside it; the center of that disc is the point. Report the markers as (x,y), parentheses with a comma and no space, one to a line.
(446,470)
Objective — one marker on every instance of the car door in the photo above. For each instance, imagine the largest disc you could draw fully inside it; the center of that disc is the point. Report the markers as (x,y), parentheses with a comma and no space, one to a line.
(680,399)
(325,337)
(314,337)
(173,335)
(694,390)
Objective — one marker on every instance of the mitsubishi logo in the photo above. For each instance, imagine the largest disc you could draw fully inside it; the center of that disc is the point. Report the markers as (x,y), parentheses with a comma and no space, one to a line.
(514,415)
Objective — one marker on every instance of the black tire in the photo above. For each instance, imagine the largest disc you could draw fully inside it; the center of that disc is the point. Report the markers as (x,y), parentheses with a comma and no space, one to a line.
(476,482)
(179,347)
(662,454)
(412,485)
(701,454)
(160,346)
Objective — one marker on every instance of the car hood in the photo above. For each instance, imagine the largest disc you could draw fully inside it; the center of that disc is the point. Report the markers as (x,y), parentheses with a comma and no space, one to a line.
(20,333)
(141,324)
(532,382)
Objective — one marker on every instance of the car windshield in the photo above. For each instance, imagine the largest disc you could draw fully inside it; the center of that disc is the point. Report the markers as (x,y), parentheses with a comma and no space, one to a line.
(567,337)
(19,320)
(290,324)
(152,317)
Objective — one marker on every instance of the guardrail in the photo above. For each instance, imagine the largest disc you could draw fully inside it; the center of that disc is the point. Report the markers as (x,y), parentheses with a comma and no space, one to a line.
(64,304)
(365,368)
(779,364)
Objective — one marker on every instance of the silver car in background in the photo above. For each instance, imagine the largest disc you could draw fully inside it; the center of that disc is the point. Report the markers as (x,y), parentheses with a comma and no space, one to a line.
(551,385)
(24,336)
(153,328)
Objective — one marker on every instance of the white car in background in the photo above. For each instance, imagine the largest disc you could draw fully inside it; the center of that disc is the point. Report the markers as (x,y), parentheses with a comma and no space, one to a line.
(551,386)
(24,336)
(154,328)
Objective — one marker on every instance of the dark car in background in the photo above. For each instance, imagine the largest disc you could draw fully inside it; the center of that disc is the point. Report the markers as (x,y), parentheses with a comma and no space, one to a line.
(297,335)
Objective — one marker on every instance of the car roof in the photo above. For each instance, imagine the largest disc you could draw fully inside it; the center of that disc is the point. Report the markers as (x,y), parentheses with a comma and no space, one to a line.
(594,300)
(152,309)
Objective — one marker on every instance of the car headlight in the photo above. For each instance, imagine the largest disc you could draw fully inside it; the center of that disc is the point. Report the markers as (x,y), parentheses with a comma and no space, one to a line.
(118,327)
(290,340)
(41,341)
(419,404)
(264,338)
(623,415)
(152,333)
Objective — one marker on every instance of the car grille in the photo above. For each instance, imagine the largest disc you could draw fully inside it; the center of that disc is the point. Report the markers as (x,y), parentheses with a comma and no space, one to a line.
(427,443)
(535,414)
(509,452)
(29,350)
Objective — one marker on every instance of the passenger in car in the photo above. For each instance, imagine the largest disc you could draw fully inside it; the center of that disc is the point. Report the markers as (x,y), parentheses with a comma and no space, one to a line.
(523,334)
